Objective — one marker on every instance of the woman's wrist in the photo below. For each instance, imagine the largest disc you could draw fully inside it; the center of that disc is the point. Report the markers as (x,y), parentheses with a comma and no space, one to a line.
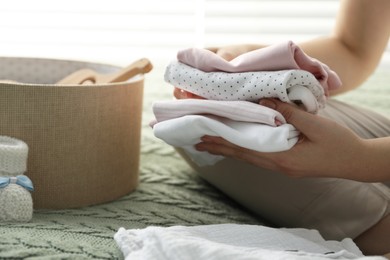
(373,164)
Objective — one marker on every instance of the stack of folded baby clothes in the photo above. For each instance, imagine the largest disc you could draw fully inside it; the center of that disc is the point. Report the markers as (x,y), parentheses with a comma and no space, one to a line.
(230,92)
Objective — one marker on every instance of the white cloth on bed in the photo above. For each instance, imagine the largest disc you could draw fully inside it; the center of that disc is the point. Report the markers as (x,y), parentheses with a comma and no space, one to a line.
(292,86)
(231,241)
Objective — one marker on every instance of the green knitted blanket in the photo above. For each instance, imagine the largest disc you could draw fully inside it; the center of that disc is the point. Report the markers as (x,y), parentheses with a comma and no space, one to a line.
(170,193)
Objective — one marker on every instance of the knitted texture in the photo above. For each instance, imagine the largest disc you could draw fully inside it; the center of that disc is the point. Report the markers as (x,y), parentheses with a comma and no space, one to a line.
(13,156)
(15,201)
(15,204)
(170,193)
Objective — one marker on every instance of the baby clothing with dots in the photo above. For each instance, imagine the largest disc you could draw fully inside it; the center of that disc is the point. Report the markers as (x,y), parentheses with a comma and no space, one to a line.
(298,86)
(280,71)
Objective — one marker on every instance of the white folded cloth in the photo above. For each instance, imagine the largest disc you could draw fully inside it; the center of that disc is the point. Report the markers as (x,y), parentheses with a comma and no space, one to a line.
(231,241)
(186,131)
(181,123)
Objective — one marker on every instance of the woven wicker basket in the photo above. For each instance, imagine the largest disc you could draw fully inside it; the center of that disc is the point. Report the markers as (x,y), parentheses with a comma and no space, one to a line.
(84,140)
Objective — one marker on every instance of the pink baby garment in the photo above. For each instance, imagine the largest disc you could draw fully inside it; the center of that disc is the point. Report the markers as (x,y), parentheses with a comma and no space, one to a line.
(243,111)
(292,86)
(275,57)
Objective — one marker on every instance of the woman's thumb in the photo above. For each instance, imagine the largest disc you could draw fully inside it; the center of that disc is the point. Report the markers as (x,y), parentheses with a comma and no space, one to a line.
(303,121)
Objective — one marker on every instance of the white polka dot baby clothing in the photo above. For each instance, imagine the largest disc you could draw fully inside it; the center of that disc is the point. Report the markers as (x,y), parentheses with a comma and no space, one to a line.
(282,56)
(290,86)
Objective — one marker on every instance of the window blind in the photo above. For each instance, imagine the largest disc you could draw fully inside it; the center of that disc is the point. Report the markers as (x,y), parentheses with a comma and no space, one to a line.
(119,31)
(114,31)
(267,21)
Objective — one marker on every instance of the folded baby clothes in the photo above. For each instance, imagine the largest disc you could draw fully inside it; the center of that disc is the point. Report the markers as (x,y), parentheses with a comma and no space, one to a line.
(286,55)
(281,71)
(232,241)
(292,86)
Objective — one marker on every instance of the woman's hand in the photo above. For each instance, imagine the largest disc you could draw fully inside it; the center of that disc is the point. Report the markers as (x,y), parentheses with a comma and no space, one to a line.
(324,148)
(182,94)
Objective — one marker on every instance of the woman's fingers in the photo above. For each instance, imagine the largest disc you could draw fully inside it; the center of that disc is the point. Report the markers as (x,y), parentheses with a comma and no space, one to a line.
(219,146)
(182,94)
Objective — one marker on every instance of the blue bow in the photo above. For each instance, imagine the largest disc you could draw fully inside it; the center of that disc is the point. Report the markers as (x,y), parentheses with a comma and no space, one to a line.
(21,180)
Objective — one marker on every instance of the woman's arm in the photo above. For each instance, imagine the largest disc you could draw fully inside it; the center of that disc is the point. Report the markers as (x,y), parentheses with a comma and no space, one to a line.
(355,47)
(359,39)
